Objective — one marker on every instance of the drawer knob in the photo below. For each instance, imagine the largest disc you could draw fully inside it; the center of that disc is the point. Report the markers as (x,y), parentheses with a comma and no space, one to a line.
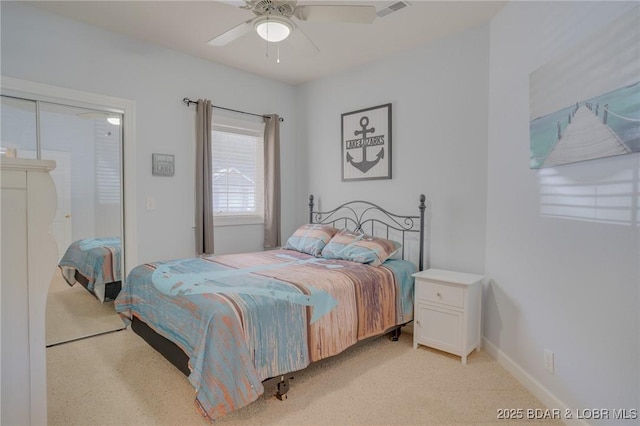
(439,295)
(417,322)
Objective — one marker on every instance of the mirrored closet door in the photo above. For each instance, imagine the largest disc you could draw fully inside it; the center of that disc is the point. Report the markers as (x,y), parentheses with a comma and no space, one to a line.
(86,144)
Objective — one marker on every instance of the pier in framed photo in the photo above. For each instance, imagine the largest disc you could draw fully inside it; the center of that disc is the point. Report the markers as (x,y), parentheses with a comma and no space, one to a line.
(585,104)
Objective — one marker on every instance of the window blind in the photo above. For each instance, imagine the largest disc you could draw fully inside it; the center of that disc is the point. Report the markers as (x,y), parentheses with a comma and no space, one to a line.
(238,171)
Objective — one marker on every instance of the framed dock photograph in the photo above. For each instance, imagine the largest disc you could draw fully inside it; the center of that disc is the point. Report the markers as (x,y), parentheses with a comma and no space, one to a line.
(366,144)
(585,104)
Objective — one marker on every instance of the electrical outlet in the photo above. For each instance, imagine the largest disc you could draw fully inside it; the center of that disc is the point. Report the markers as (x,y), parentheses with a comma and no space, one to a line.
(548,361)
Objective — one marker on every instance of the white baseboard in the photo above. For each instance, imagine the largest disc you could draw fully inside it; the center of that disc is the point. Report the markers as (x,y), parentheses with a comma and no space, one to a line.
(535,387)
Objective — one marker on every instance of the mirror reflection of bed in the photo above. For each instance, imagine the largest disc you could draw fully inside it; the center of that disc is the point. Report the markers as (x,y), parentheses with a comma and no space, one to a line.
(87,280)
(86,144)
(74,313)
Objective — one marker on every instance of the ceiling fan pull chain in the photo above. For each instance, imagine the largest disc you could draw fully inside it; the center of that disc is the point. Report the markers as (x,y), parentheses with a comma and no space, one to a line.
(278,59)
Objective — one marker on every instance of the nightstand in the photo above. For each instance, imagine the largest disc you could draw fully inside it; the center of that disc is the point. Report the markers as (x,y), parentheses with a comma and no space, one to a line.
(447,310)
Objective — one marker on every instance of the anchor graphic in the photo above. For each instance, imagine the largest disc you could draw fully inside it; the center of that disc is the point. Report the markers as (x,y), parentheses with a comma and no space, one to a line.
(364,166)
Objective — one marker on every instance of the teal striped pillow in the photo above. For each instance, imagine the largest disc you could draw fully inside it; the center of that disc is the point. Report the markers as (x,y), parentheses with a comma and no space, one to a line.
(361,248)
(310,238)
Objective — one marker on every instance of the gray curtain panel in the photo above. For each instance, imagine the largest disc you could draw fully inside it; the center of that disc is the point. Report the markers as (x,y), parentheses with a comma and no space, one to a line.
(272,182)
(204,170)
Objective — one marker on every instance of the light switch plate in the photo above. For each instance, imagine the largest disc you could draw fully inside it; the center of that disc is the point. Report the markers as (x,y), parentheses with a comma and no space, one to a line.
(151,203)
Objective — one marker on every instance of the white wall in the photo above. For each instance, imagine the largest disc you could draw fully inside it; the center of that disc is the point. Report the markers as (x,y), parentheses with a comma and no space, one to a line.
(439,140)
(566,284)
(49,49)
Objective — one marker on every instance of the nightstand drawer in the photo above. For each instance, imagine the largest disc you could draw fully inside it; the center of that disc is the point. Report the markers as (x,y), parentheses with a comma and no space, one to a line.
(439,293)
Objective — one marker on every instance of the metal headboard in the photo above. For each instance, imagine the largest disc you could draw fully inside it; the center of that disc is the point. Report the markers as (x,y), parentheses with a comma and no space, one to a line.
(366,217)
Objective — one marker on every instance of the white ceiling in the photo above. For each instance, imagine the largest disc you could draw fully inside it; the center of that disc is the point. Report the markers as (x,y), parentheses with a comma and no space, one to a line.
(187,26)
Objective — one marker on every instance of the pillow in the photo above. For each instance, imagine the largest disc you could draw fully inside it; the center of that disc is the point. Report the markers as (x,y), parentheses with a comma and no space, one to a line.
(310,239)
(361,248)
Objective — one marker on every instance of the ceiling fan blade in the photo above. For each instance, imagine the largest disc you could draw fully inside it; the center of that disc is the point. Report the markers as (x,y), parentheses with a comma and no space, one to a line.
(92,115)
(234,3)
(335,13)
(231,35)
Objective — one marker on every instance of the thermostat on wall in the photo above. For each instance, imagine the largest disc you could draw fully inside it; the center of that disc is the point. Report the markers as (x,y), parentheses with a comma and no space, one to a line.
(163,164)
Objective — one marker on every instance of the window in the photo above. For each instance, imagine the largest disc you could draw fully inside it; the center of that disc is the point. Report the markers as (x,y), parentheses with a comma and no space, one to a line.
(107,163)
(238,171)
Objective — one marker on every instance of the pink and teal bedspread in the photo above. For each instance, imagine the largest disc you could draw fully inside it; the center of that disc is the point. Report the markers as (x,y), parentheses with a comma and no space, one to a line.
(245,318)
(97,259)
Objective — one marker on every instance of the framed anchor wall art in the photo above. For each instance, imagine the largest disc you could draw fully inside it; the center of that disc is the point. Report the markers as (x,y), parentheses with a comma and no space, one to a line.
(366,144)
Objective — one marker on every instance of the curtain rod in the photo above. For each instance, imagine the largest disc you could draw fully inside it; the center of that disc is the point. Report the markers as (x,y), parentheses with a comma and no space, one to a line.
(188,102)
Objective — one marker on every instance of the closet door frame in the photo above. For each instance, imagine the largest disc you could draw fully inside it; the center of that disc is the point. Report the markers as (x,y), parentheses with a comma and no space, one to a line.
(47,93)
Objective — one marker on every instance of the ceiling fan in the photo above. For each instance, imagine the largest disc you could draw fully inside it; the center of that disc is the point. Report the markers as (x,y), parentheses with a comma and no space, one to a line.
(274,19)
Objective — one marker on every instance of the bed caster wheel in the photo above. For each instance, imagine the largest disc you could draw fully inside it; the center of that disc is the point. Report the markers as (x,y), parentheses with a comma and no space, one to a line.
(283,388)
(395,334)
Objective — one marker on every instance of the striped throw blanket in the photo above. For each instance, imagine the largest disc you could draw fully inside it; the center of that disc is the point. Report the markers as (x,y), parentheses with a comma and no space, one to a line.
(97,259)
(245,318)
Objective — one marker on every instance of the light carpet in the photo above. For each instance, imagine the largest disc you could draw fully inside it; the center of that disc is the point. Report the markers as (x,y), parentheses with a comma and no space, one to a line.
(117,379)
(74,313)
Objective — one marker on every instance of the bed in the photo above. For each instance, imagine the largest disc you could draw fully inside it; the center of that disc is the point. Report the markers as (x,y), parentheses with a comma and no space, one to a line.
(96,264)
(233,322)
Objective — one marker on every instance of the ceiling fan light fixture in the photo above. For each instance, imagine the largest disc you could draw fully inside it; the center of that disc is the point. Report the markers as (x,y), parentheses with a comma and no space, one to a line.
(273,28)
